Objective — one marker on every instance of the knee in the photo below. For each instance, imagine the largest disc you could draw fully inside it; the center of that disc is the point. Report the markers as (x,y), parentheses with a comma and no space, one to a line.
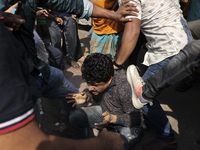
(57,73)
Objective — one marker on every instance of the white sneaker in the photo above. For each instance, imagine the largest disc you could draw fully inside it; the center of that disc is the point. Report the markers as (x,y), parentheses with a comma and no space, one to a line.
(136,84)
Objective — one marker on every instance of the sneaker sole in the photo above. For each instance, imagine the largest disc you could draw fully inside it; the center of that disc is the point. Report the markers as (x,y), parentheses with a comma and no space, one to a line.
(130,74)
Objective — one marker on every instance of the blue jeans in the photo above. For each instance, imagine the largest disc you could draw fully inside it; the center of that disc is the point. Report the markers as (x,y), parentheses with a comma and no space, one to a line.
(86,117)
(56,87)
(155,113)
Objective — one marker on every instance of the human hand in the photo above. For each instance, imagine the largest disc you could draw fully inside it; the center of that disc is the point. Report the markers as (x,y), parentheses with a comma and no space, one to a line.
(117,66)
(184,1)
(101,125)
(59,20)
(113,140)
(78,98)
(107,118)
(125,9)
(11,21)
(74,17)
(42,13)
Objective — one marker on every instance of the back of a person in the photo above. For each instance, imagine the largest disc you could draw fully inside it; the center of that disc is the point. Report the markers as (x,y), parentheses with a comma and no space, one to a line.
(165,28)
(106,26)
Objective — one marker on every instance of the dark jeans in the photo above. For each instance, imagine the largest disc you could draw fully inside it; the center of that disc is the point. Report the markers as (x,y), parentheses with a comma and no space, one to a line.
(56,87)
(86,117)
(179,67)
(55,55)
(72,48)
(155,114)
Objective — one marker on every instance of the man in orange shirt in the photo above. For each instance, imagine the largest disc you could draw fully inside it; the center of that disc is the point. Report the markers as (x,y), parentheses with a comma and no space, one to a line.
(106,36)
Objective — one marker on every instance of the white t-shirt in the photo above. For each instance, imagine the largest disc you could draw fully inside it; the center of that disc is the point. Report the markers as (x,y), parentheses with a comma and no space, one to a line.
(164,27)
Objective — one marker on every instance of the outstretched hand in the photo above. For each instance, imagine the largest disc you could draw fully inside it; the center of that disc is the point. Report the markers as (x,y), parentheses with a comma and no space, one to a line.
(125,9)
(78,98)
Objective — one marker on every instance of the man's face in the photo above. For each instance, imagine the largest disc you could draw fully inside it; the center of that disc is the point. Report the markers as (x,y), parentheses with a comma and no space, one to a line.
(98,88)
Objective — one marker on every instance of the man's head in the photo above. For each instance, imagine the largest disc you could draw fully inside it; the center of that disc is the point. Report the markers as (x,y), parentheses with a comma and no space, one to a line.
(98,71)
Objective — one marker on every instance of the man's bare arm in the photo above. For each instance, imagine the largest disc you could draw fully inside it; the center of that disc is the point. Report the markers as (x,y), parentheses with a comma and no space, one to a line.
(124,10)
(30,137)
(129,40)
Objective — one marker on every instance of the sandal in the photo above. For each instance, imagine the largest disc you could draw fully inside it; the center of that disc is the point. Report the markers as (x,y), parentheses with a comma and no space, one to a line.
(74,64)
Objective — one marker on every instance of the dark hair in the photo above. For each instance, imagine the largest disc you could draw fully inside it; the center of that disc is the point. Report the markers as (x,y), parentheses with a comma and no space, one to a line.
(97,68)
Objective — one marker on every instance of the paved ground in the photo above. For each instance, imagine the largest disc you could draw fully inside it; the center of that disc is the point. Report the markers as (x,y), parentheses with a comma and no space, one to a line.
(182,109)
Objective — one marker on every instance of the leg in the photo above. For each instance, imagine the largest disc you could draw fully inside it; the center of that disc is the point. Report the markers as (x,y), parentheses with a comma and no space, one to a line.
(40,47)
(56,87)
(179,67)
(106,44)
(59,87)
(159,120)
(83,118)
(155,112)
(54,32)
(187,82)
(71,39)
(55,55)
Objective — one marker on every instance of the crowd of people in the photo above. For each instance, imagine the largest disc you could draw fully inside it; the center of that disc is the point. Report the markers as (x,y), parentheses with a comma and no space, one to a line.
(117,98)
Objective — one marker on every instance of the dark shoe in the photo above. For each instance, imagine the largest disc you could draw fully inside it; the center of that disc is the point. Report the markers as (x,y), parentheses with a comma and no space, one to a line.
(159,144)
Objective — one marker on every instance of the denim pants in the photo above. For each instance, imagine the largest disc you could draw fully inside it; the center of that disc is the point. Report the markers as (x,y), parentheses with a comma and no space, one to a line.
(86,117)
(179,67)
(57,87)
(155,113)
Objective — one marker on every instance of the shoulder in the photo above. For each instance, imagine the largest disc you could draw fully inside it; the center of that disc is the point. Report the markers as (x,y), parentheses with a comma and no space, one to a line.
(121,81)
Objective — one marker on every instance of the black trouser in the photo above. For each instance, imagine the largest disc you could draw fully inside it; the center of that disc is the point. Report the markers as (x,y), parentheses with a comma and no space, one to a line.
(71,42)
(179,67)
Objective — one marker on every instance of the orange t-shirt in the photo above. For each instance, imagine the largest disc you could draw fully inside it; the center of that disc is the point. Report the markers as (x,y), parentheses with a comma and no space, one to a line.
(106,26)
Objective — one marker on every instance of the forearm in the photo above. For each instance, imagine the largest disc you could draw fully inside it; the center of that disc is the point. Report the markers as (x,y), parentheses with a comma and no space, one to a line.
(11,8)
(99,12)
(70,144)
(32,138)
(129,40)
